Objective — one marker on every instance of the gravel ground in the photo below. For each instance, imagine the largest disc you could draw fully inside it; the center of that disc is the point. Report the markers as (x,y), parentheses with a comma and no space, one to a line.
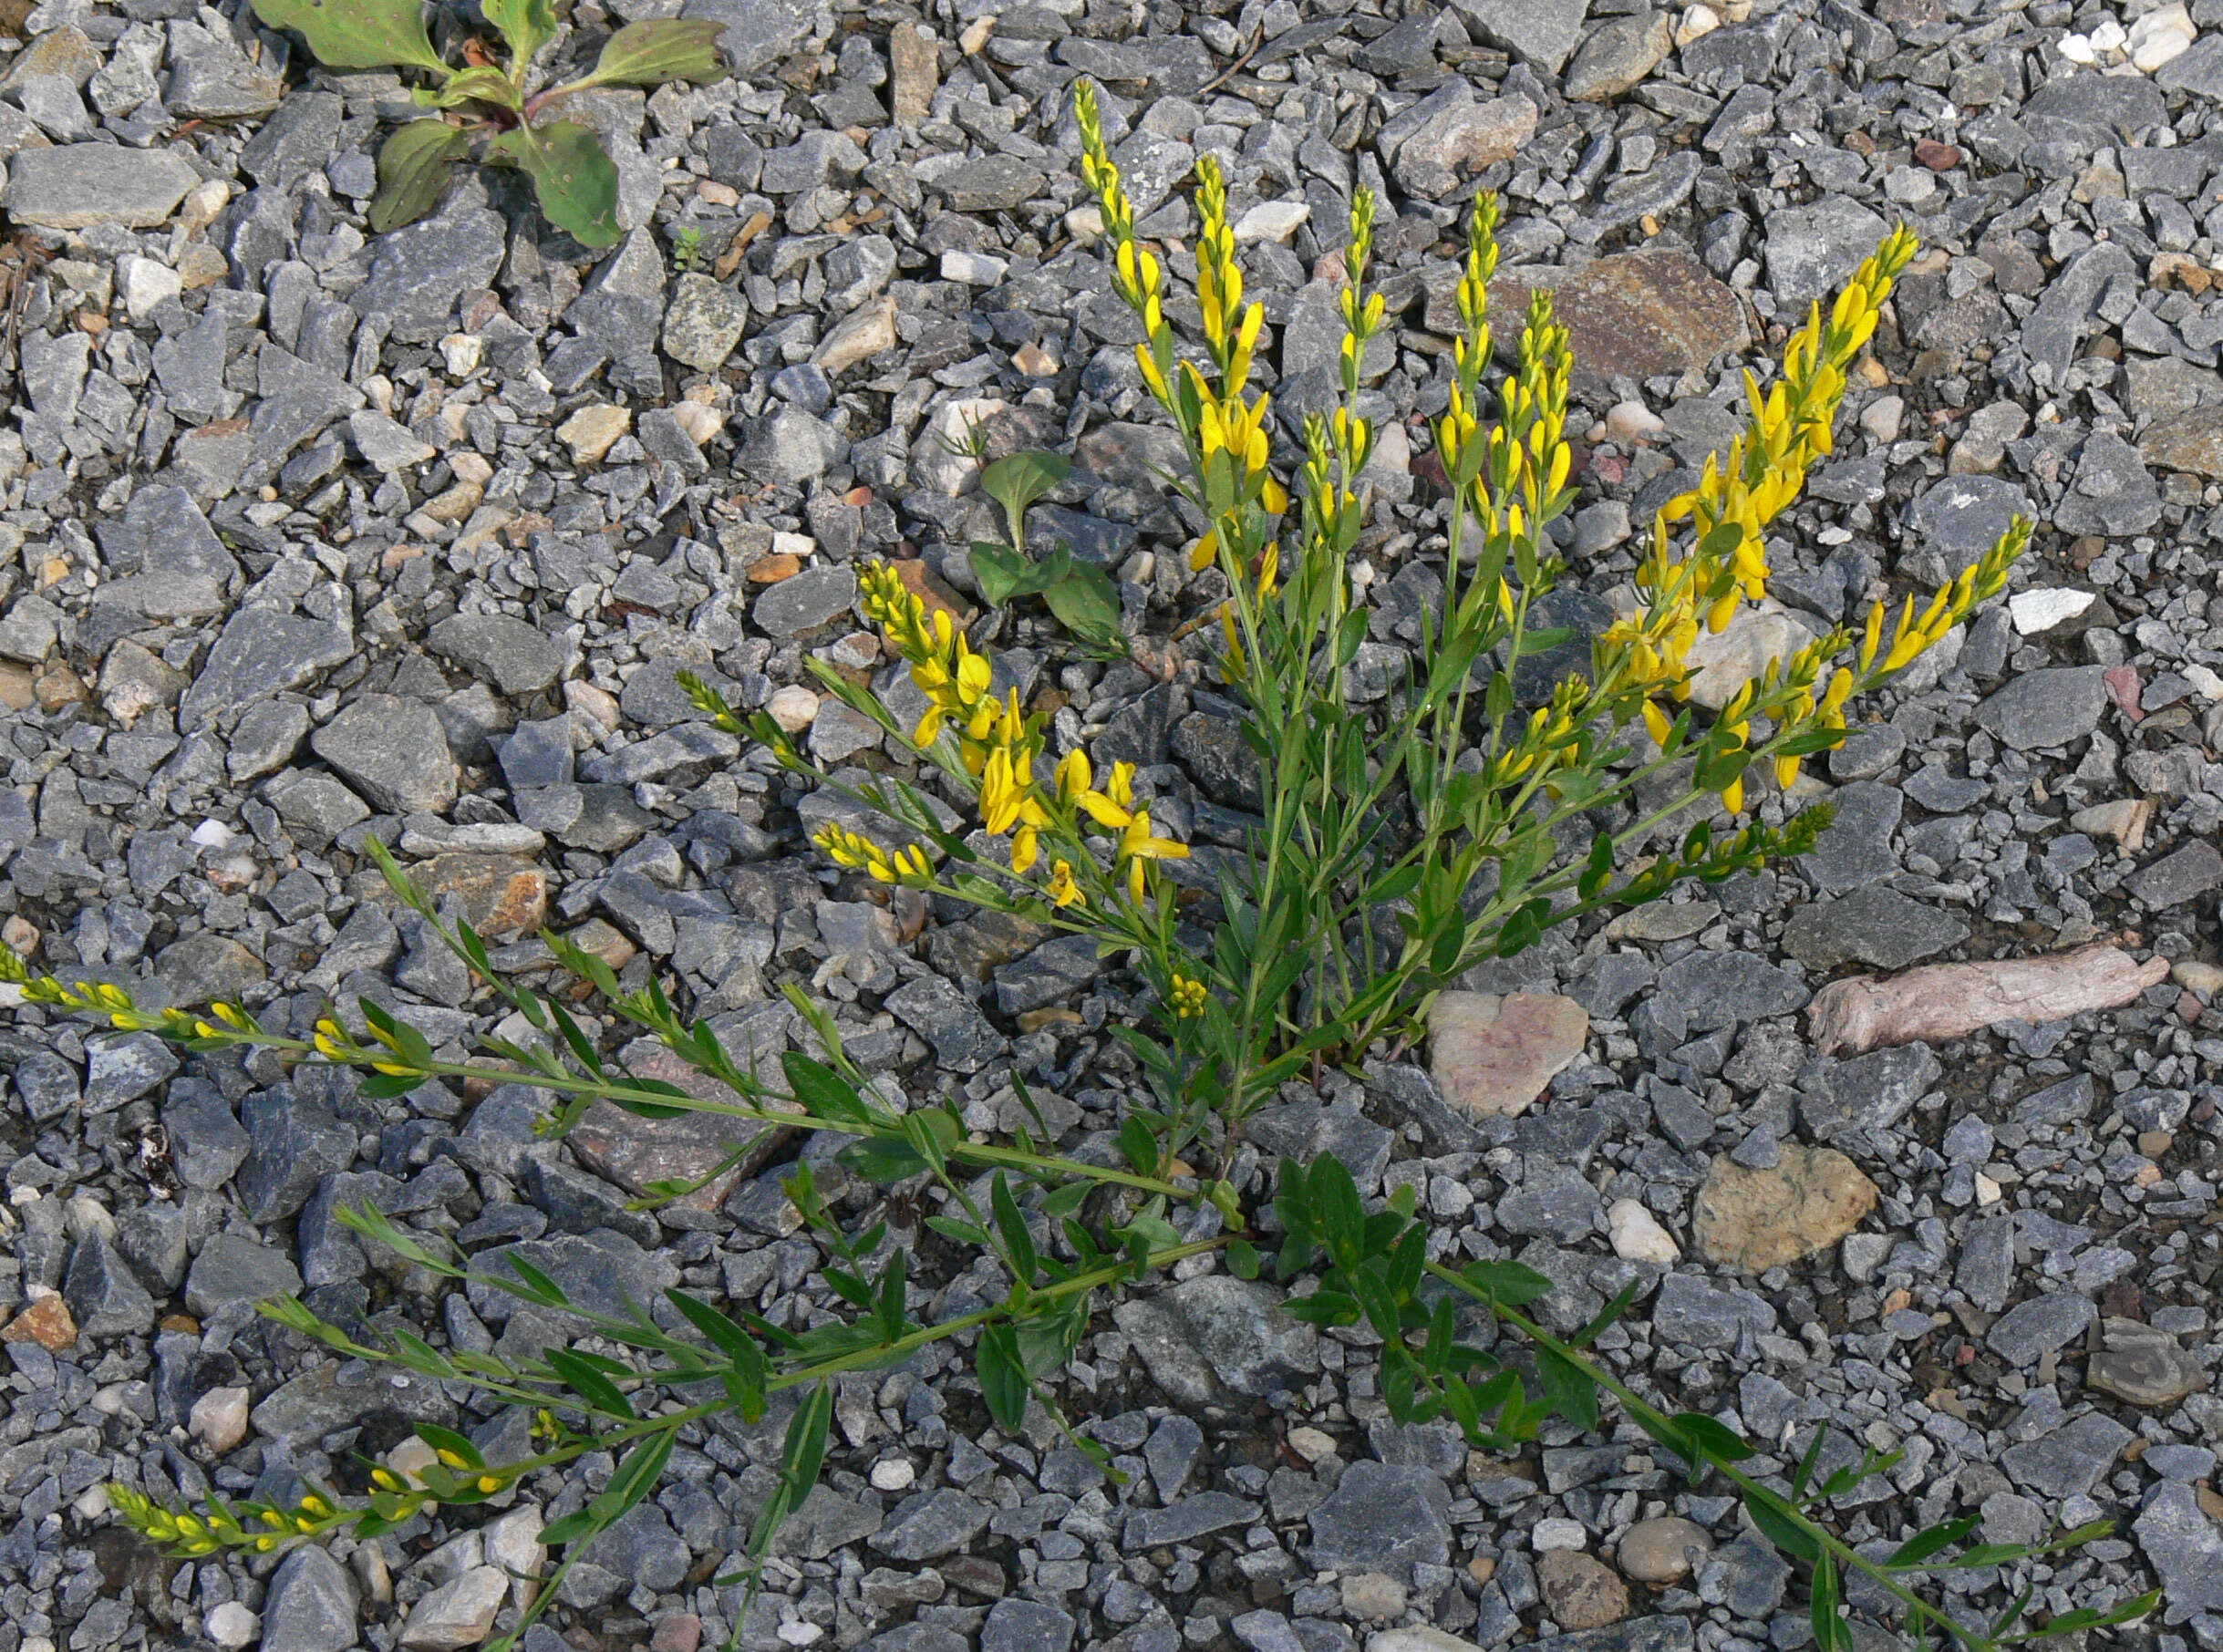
(313,538)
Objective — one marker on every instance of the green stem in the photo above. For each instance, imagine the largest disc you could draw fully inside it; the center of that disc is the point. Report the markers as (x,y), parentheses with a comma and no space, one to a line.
(1657,1424)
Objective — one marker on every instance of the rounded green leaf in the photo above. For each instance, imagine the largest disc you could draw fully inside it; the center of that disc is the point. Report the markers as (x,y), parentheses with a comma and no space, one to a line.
(413,171)
(358,34)
(660,49)
(572,174)
(526,25)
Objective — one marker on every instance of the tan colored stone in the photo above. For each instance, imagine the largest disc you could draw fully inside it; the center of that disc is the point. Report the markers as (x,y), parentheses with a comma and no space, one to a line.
(1759,1219)
(914,67)
(859,335)
(218,1420)
(501,895)
(1657,1550)
(1637,314)
(2191,440)
(1581,1590)
(770,570)
(46,1322)
(1493,1056)
(594,430)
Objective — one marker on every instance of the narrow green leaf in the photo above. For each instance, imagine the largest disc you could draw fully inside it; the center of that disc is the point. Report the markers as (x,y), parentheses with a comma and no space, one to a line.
(571,176)
(1573,1392)
(823,1093)
(1606,1316)
(1781,1528)
(589,1384)
(1806,1462)
(1717,1440)
(1003,1379)
(1831,1632)
(1931,1541)
(358,34)
(1019,1244)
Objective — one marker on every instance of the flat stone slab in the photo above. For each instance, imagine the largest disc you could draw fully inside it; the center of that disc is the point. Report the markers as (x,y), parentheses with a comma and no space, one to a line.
(75,186)
(1758,1219)
(1492,1057)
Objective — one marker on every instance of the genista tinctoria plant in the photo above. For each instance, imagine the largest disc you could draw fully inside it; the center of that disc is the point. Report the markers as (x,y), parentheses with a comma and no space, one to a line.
(483,110)
(1402,840)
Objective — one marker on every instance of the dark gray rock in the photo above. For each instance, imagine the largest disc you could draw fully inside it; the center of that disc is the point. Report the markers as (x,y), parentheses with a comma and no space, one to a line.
(514,656)
(75,186)
(419,273)
(1688,1309)
(1747,1576)
(1187,1519)
(1812,249)
(1542,32)
(1715,990)
(815,597)
(394,751)
(104,1295)
(310,1604)
(1875,925)
(1956,521)
(261,653)
(2040,1326)
(1856,849)
(1205,1338)
(931,1524)
(232,1269)
(1382,1519)
(2183,875)
(2069,1461)
(2184,1545)
(963,1040)
(1015,1624)
(2046,707)
(1870,1092)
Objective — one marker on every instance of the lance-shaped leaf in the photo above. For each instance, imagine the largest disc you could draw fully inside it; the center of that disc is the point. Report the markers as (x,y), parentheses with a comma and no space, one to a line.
(572,175)
(413,171)
(659,49)
(358,34)
(526,25)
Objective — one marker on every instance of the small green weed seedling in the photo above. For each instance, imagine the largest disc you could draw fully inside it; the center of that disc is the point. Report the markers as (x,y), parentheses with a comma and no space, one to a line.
(483,112)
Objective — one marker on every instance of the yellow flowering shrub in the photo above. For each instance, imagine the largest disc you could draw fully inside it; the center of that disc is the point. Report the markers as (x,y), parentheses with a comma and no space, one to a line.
(1446,805)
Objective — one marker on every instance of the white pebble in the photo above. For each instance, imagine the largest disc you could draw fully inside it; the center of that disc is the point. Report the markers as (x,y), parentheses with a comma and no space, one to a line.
(2160,37)
(893,1475)
(2077,49)
(218,1420)
(460,351)
(1314,1445)
(974,269)
(230,1626)
(1558,1533)
(1633,421)
(1637,1235)
(2209,684)
(1881,418)
(2109,38)
(793,707)
(1272,221)
(2043,609)
(1697,22)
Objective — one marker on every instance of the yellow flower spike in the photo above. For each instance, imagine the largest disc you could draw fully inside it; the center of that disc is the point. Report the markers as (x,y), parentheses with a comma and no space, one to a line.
(489,1482)
(1657,723)
(1025,848)
(1189,997)
(1732,796)
(1062,890)
(1787,772)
